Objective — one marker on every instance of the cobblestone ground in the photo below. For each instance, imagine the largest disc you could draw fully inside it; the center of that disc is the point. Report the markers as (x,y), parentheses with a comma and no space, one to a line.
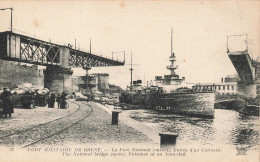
(27,125)
(26,118)
(82,123)
(97,129)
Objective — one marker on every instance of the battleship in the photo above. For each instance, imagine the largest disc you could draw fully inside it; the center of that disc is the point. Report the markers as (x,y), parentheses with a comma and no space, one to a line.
(170,94)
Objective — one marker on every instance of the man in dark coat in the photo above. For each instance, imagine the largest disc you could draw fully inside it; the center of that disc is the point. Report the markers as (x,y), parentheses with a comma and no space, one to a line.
(7,103)
(51,101)
(37,98)
(58,99)
(63,100)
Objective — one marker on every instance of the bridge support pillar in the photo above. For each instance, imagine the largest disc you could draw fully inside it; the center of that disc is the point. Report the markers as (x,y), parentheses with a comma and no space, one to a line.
(58,79)
(64,56)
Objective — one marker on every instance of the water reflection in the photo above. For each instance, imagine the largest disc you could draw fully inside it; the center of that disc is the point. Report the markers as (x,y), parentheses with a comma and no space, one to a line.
(227,128)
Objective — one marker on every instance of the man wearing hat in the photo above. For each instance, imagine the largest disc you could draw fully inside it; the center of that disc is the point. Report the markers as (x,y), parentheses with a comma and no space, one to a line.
(7,103)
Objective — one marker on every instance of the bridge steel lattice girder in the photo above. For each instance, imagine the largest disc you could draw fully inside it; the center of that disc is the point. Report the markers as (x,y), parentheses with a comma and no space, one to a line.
(38,51)
(26,49)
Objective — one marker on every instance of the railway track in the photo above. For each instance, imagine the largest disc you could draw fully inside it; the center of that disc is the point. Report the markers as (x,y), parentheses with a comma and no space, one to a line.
(62,130)
(33,127)
(33,135)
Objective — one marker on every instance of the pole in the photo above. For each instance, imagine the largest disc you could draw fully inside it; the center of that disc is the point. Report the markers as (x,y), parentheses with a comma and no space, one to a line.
(90,46)
(11,19)
(131,69)
(171,43)
(227,45)
(124,56)
(75,44)
(246,43)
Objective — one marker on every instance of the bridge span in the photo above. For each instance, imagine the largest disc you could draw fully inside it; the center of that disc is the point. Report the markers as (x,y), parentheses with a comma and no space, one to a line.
(30,50)
(58,60)
(244,65)
(249,74)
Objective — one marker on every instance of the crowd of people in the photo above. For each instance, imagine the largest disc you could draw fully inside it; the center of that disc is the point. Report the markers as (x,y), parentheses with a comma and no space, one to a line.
(60,99)
(50,99)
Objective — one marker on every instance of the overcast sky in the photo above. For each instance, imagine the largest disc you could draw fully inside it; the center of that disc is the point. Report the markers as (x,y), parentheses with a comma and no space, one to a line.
(200,30)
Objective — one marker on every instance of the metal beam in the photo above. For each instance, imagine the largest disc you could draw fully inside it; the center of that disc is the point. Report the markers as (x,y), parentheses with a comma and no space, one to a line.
(42,52)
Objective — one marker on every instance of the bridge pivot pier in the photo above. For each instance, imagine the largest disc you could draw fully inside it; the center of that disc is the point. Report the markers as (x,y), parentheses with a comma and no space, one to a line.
(58,79)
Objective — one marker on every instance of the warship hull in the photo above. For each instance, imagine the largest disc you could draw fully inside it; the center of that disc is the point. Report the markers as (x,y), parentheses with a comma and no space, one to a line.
(196,104)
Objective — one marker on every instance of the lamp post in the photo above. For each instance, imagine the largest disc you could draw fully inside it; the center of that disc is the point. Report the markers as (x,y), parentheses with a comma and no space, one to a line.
(11,16)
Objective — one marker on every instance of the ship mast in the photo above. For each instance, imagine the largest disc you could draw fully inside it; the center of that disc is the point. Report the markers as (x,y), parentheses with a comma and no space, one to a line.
(171,45)
(131,69)
(172,58)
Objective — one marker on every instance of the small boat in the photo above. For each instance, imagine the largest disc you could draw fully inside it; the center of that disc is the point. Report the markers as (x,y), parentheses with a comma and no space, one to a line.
(250,110)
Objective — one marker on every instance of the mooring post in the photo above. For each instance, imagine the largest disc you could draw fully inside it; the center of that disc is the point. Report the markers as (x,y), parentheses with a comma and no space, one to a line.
(115,117)
(168,138)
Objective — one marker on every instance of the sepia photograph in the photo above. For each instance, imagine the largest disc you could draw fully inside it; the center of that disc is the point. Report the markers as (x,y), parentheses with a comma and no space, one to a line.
(124,80)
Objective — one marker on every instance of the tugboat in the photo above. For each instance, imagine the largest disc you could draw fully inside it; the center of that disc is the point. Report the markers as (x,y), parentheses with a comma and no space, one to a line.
(250,110)
(172,95)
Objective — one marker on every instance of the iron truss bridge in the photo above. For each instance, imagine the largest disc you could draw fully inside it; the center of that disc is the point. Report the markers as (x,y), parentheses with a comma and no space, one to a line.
(26,49)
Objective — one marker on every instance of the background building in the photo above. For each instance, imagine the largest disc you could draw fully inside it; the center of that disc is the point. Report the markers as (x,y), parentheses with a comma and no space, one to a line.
(103,82)
(228,85)
(79,84)
(91,83)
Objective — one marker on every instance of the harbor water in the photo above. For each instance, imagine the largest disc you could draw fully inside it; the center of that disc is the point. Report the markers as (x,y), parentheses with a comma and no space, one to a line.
(228,129)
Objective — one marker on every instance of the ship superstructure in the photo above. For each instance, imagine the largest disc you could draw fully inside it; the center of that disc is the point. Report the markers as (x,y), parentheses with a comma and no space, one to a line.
(170,82)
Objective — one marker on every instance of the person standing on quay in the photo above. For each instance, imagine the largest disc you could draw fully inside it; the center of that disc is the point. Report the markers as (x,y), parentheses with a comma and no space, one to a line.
(58,99)
(63,100)
(7,103)
(37,98)
(51,101)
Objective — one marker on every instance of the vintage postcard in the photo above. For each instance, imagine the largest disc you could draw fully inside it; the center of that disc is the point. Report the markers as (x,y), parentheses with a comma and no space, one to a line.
(129,80)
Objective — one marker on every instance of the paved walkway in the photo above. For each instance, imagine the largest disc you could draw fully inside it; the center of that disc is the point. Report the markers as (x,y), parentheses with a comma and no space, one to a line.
(94,127)
(148,131)
(97,130)
(27,118)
